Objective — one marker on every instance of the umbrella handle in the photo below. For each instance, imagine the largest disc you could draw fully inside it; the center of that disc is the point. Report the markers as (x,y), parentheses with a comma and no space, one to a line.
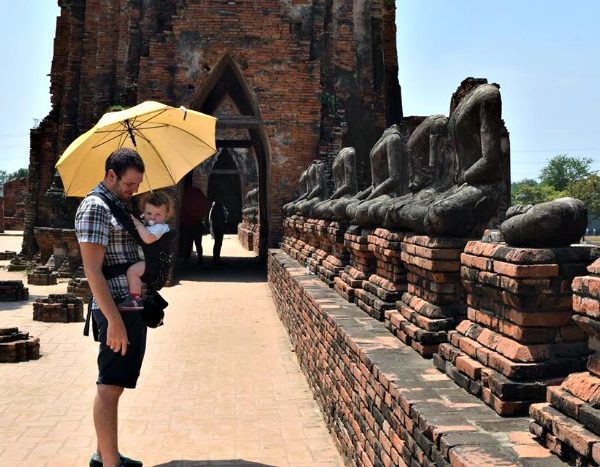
(130,131)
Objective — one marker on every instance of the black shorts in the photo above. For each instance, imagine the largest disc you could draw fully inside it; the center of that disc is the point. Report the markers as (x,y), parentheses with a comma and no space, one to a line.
(113,368)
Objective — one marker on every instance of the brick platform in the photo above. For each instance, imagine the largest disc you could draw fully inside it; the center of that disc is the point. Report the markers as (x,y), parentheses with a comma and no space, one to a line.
(519,337)
(338,257)
(11,291)
(361,264)
(434,301)
(20,263)
(18,346)
(248,235)
(7,255)
(569,422)
(58,308)
(79,287)
(42,275)
(380,290)
(316,236)
(383,403)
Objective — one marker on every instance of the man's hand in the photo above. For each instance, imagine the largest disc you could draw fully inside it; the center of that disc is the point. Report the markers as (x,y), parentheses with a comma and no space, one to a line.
(116,336)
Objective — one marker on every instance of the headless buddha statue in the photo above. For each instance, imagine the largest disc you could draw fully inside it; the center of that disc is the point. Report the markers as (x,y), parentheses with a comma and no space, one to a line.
(470,167)
(303,184)
(430,172)
(389,175)
(250,209)
(346,186)
(479,143)
(318,189)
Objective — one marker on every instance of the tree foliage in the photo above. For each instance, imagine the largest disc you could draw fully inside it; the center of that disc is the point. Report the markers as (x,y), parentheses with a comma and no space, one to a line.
(563,175)
(588,191)
(563,170)
(529,191)
(7,177)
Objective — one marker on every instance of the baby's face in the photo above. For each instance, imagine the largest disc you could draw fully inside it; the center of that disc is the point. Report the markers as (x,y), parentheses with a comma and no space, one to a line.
(154,214)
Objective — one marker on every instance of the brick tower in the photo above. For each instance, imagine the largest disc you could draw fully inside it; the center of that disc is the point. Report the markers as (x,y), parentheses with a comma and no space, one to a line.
(289,81)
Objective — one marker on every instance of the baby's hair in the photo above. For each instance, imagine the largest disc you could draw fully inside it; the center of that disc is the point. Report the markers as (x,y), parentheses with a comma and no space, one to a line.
(158,199)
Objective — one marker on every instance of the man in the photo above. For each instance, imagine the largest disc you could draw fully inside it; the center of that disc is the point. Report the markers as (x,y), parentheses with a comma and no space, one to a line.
(194,210)
(106,249)
(218,219)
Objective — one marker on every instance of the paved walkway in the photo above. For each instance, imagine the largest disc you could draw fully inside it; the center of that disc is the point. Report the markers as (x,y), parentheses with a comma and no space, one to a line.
(220,385)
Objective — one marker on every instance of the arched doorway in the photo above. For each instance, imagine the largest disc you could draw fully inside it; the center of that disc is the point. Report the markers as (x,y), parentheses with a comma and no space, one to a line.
(241,139)
(225,185)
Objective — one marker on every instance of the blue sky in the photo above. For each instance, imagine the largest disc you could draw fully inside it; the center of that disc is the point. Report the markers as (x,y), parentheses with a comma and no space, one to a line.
(544,54)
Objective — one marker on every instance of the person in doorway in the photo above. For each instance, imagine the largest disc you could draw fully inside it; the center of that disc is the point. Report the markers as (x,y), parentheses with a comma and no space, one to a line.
(218,218)
(156,211)
(107,246)
(194,213)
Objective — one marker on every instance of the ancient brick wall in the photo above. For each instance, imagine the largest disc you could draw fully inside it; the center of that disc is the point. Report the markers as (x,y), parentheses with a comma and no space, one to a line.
(15,192)
(383,403)
(316,75)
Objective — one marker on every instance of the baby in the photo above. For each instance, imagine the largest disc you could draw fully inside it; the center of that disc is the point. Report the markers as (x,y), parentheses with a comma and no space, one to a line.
(156,211)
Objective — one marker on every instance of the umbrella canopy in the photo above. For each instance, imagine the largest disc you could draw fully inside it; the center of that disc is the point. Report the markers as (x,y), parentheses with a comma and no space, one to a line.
(171,142)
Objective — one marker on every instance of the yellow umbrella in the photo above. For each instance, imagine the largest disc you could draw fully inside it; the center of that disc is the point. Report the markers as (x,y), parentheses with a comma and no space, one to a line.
(171,142)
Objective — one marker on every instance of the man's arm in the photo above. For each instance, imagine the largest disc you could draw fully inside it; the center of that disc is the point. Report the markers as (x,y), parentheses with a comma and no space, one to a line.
(92,255)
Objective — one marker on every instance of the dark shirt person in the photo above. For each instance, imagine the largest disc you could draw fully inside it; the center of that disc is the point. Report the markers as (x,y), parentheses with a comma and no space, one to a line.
(218,219)
(194,213)
(105,242)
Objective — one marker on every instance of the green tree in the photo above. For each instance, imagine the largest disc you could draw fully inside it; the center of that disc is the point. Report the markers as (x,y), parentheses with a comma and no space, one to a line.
(529,191)
(3,177)
(563,170)
(588,191)
(21,173)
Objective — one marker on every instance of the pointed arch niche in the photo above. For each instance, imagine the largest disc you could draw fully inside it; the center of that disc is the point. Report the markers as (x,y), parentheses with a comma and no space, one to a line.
(226,95)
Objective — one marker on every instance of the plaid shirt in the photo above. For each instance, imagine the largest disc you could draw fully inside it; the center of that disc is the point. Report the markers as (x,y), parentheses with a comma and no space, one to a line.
(94,223)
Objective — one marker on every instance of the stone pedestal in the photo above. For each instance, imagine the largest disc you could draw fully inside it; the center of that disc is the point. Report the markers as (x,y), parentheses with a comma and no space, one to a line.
(337,257)
(20,263)
(42,275)
(58,308)
(7,255)
(79,287)
(519,337)
(569,422)
(18,346)
(246,234)
(317,252)
(361,264)
(381,289)
(294,242)
(11,291)
(434,301)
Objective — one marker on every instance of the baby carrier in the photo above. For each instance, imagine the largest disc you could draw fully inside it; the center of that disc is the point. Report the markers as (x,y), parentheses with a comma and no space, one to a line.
(157,257)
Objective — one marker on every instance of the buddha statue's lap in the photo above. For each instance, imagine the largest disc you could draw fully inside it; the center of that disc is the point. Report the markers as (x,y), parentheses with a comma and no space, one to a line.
(345,184)
(475,132)
(389,175)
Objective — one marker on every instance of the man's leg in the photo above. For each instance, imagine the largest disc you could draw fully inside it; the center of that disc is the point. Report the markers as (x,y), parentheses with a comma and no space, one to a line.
(217,248)
(106,406)
(186,243)
(198,241)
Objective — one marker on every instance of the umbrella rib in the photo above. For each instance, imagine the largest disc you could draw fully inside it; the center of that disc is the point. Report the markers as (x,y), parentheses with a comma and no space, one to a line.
(157,153)
(117,135)
(154,115)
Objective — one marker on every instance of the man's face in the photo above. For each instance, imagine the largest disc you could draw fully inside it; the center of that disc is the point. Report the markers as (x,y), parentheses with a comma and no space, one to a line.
(126,186)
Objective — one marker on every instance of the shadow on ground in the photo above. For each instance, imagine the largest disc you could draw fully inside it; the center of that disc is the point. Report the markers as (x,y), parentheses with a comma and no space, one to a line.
(219,463)
(231,269)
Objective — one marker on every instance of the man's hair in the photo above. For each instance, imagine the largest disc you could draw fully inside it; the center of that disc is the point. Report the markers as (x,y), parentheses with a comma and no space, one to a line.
(158,199)
(123,159)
